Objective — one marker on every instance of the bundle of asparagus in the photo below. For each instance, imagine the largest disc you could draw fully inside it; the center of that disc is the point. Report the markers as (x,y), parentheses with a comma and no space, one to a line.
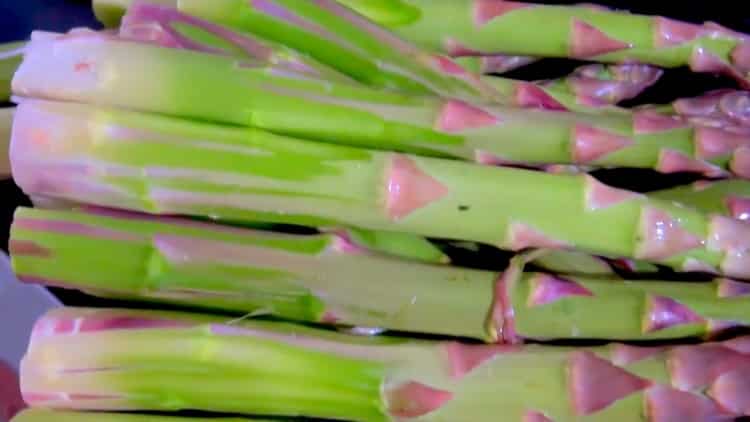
(317,162)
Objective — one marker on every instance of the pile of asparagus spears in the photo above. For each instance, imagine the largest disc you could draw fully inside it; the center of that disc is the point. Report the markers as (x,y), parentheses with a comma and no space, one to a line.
(280,184)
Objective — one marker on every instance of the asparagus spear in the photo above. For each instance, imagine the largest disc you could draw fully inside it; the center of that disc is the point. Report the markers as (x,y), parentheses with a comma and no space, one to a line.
(46,415)
(324,279)
(167,26)
(206,87)
(339,38)
(10,58)
(158,164)
(590,86)
(729,197)
(6,122)
(724,108)
(599,85)
(125,359)
(582,32)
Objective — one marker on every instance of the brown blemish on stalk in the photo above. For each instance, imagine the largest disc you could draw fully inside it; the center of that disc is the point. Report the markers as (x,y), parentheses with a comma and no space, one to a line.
(28,248)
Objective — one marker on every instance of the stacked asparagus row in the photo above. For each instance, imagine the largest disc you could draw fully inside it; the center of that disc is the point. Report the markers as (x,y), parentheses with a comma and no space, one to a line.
(327,280)
(120,359)
(487,27)
(173,154)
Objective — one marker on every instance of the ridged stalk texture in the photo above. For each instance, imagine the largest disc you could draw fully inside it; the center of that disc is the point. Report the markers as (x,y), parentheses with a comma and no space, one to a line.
(103,71)
(123,359)
(325,279)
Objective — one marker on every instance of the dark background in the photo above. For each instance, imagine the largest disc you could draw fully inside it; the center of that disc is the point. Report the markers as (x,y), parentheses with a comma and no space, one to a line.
(19,17)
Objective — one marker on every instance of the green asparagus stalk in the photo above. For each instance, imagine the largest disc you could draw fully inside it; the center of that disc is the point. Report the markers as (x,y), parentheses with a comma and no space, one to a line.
(316,278)
(723,108)
(487,27)
(589,89)
(163,165)
(125,359)
(206,87)
(168,27)
(47,415)
(10,58)
(599,85)
(339,38)
(729,197)
(6,123)
(324,279)
(403,245)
